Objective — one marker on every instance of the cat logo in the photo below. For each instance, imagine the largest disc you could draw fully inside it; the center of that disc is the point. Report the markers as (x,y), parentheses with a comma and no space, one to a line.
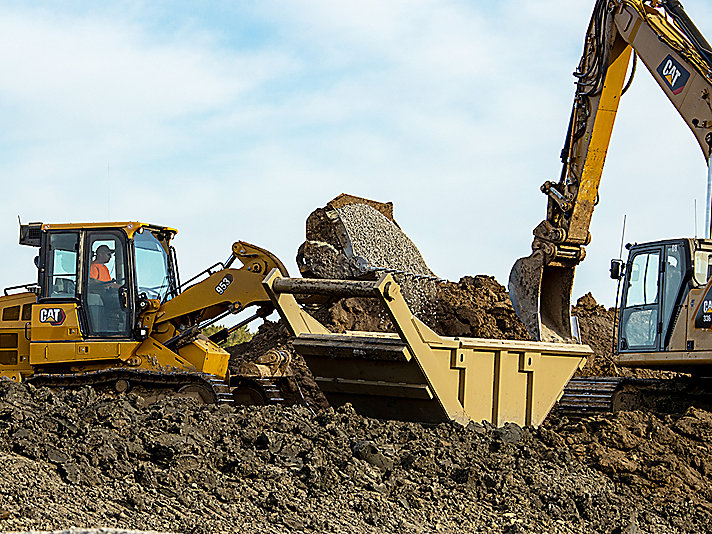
(674,74)
(53,316)
(707,306)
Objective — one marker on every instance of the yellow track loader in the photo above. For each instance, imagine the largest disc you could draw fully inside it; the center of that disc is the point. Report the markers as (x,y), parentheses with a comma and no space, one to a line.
(108,309)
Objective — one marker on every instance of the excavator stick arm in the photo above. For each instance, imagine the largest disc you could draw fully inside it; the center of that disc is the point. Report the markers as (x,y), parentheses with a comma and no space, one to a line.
(677,57)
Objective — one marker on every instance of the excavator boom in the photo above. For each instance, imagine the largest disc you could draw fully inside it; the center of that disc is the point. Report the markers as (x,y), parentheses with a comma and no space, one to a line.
(678,57)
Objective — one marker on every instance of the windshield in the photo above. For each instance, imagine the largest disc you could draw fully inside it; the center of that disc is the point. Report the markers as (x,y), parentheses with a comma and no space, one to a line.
(151,266)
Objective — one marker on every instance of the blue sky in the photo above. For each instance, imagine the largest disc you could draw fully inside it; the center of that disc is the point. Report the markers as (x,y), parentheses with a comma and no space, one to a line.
(234,120)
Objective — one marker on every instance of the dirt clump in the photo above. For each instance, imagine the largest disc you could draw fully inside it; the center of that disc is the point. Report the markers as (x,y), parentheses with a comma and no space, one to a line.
(477,306)
(80,458)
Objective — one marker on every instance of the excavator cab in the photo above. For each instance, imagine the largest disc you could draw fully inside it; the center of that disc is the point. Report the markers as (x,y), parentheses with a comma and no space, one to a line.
(665,313)
(656,282)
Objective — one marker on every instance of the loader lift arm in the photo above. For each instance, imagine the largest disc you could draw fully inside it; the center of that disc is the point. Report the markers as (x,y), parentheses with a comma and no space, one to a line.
(224,290)
(680,61)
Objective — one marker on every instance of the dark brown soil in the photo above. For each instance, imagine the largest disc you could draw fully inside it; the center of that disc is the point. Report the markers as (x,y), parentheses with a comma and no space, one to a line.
(77,458)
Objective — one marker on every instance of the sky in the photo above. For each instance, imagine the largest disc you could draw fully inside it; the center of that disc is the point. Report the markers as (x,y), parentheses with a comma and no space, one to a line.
(234,120)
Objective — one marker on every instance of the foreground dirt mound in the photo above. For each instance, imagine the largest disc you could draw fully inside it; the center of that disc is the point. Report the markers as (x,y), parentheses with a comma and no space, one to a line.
(76,458)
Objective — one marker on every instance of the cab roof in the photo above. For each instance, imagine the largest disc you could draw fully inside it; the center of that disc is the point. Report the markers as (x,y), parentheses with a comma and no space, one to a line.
(31,233)
(130,227)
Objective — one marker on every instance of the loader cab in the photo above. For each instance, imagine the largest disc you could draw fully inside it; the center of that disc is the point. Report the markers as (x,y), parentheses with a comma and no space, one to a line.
(656,281)
(103,273)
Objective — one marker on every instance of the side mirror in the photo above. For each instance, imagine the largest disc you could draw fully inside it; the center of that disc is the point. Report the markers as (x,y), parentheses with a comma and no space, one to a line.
(617,269)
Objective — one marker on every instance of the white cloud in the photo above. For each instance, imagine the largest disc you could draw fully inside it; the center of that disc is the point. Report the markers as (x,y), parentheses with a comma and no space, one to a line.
(456,111)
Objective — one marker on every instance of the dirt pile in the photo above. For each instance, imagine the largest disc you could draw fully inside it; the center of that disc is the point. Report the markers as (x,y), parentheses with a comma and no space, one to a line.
(596,328)
(77,458)
(363,238)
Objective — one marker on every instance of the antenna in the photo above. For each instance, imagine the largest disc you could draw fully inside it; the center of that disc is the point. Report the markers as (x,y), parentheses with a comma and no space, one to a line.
(620,253)
(108,191)
(695,218)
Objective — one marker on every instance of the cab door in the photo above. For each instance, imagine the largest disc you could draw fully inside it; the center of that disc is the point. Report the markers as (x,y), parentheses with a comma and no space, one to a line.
(106,284)
(641,313)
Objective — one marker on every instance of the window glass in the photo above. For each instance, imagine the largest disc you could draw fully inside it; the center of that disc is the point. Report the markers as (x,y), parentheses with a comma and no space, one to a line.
(639,327)
(151,266)
(674,272)
(106,295)
(643,283)
(62,268)
(639,320)
(703,266)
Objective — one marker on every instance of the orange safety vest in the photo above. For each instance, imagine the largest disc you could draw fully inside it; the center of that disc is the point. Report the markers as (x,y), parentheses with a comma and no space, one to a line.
(99,271)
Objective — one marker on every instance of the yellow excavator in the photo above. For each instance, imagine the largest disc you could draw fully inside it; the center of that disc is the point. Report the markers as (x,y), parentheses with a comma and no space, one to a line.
(665,316)
(108,310)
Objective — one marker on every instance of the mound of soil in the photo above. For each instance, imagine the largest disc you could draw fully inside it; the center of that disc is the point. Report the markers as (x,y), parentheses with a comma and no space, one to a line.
(78,458)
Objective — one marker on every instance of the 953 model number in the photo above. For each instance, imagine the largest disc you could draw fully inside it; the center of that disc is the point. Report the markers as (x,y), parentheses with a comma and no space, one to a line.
(224,284)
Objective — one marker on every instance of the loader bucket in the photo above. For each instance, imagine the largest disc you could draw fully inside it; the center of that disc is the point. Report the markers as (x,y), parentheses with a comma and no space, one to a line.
(417,375)
(541,296)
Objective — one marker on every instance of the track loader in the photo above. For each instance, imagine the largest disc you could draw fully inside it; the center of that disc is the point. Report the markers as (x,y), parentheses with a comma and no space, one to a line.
(108,309)
(665,316)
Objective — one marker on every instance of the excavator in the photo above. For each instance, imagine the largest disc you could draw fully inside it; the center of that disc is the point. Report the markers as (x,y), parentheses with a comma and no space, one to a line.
(665,315)
(108,310)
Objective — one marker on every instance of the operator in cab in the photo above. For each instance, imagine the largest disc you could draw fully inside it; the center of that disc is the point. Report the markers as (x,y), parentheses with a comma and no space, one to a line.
(98,270)
(103,300)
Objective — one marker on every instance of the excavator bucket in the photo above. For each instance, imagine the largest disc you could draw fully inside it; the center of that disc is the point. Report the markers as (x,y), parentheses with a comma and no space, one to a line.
(415,374)
(541,295)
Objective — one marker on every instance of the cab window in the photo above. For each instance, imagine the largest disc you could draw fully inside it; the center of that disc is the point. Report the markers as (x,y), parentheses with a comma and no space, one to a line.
(640,314)
(151,266)
(62,265)
(703,266)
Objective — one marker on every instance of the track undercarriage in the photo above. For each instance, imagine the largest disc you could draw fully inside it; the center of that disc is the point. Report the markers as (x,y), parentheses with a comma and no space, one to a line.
(584,396)
(154,386)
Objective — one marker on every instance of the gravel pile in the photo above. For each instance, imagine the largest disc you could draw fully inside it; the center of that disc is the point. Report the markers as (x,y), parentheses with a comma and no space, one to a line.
(356,241)
(81,459)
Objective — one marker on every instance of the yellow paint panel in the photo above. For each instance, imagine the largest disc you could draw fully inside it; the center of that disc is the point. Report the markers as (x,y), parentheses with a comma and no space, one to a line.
(206,357)
(55,322)
(72,352)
